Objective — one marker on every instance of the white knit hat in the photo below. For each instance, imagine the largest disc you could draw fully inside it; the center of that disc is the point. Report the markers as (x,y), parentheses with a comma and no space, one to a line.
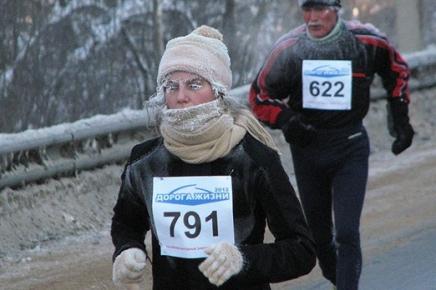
(201,52)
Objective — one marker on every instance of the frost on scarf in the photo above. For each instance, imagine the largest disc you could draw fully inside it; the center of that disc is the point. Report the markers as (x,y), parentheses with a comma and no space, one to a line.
(192,119)
(155,105)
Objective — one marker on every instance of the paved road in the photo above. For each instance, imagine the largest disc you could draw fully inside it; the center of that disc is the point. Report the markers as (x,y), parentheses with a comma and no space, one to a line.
(398,238)
(411,265)
(398,226)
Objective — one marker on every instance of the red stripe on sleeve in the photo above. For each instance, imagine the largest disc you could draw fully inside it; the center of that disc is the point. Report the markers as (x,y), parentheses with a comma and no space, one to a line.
(265,106)
(269,64)
(265,112)
(398,64)
(359,75)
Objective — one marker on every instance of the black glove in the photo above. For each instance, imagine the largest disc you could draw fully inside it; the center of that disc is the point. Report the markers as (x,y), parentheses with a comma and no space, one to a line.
(404,138)
(297,131)
(402,130)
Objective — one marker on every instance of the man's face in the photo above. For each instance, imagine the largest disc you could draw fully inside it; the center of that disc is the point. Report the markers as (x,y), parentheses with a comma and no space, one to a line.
(320,20)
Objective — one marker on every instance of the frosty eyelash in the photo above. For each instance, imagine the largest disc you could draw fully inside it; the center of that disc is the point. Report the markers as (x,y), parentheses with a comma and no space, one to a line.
(194,84)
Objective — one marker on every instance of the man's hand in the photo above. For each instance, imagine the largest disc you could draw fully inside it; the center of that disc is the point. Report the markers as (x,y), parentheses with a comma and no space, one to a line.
(224,261)
(404,137)
(128,268)
(298,132)
(398,119)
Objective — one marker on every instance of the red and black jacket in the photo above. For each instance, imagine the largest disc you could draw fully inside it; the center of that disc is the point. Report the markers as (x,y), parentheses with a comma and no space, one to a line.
(276,93)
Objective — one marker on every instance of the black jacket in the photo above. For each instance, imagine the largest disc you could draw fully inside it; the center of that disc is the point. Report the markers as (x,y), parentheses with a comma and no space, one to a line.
(276,93)
(261,193)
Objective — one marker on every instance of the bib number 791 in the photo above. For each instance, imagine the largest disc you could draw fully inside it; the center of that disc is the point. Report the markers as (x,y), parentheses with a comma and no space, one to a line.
(192,222)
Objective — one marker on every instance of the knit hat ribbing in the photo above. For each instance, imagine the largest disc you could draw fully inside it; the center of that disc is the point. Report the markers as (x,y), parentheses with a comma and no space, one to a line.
(201,52)
(306,3)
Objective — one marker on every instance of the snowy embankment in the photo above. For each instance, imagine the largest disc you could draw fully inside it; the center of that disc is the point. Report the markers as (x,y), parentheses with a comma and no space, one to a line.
(63,149)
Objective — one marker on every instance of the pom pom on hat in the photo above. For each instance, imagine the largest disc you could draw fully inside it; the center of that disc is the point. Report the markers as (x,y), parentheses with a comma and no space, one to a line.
(208,31)
(201,52)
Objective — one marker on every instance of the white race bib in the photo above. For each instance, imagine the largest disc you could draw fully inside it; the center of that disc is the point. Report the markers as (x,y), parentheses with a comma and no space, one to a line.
(327,84)
(191,213)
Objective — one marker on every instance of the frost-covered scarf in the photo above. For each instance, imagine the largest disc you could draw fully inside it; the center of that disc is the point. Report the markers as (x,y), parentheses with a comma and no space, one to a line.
(204,133)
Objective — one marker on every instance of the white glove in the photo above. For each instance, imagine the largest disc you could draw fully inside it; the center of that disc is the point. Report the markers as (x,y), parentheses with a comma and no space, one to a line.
(128,268)
(223,262)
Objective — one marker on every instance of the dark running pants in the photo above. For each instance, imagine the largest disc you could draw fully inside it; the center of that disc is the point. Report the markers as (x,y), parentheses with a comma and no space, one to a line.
(331,174)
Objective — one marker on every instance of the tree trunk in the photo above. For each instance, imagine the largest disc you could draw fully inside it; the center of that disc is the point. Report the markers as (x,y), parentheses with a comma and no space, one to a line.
(157,33)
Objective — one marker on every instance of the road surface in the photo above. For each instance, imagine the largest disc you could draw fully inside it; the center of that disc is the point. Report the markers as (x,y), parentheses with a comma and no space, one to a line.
(398,237)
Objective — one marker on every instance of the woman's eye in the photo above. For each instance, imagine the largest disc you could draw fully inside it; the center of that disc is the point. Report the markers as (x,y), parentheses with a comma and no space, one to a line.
(171,87)
(196,86)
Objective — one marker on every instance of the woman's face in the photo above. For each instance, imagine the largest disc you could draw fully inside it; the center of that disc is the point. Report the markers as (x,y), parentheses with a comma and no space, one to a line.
(184,89)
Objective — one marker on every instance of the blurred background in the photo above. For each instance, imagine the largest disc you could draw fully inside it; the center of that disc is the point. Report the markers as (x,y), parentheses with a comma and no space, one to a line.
(65,60)
(87,66)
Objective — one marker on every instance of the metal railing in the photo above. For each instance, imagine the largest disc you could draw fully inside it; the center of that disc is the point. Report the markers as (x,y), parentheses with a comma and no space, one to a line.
(39,154)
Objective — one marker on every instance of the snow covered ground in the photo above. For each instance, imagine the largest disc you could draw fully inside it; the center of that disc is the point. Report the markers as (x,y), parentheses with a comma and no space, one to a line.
(55,235)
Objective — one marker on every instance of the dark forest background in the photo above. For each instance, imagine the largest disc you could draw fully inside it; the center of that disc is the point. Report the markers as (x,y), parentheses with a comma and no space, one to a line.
(62,60)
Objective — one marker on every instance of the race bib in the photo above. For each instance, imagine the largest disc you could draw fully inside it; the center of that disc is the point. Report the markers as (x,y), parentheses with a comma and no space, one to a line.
(327,84)
(192,213)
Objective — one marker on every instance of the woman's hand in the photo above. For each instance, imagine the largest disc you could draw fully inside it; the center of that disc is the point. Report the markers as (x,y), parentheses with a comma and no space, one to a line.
(128,268)
(223,262)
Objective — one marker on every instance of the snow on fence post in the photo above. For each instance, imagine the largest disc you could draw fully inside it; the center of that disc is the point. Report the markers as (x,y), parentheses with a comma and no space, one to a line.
(39,154)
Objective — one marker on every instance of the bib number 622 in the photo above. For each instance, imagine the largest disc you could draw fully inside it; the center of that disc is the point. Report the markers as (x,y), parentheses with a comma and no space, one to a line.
(192,222)
(326,89)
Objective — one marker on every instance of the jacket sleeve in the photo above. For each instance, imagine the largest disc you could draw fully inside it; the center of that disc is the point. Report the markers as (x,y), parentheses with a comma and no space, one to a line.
(395,74)
(389,64)
(272,85)
(130,220)
(292,254)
